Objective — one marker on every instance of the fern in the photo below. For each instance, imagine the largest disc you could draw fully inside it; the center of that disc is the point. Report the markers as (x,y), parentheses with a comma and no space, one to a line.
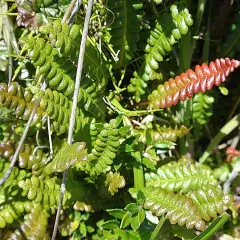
(29,158)
(159,44)
(62,36)
(67,156)
(125,28)
(211,201)
(44,192)
(34,227)
(104,151)
(178,208)
(202,108)
(181,177)
(21,102)
(189,83)
(13,211)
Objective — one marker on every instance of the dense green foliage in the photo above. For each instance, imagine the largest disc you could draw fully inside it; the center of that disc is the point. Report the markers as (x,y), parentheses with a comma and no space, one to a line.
(154,116)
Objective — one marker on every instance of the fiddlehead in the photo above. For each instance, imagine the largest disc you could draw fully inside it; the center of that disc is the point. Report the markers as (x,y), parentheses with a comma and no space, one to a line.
(19,101)
(203,78)
(178,208)
(181,176)
(159,44)
(125,28)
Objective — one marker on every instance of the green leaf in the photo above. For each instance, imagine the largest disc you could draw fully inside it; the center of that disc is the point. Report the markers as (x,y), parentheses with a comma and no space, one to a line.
(124,130)
(66,157)
(141,215)
(117,213)
(161,144)
(135,223)
(110,225)
(224,91)
(213,228)
(148,137)
(148,163)
(132,208)
(126,220)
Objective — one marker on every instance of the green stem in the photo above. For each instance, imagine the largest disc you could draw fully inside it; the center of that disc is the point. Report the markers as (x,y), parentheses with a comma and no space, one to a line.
(138,177)
(155,234)
(224,131)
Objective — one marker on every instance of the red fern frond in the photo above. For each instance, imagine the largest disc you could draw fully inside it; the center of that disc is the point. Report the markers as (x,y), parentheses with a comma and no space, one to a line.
(231,153)
(191,82)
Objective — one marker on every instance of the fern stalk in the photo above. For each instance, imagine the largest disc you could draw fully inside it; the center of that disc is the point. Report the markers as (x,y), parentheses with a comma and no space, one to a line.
(74,106)
(224,131)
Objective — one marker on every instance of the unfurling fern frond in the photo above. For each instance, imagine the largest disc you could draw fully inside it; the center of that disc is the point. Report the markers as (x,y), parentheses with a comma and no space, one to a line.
(181,176)
(13,211)
(189,83)
(29,158)
(211,201)
(114,181)
(21,102)
(45,192)
(10,186)
(61,36)
(34,227)
(125,28)
(159,44)
(202,108)
(67,156)
(178,208)
(105,148)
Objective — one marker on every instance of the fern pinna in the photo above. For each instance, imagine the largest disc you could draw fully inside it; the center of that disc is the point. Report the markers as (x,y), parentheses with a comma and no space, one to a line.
(159,44)
(203,78)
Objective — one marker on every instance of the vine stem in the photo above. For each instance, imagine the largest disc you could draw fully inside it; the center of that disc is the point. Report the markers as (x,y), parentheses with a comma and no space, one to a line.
(74,106)
(21,142)
(225,130)
(155,234)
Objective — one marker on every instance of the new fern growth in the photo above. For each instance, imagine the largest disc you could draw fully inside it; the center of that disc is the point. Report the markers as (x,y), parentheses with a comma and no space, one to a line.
(202,79)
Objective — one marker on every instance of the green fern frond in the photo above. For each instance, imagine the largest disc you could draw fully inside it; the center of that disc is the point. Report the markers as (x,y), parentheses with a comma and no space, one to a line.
(202,108)
(66,157)
(104,151)
(58,108)
(21,102)
(34,227)
(125,29)
(167,31)
(44,192)
(63,37)
(13,211)
(211,201)
(10,186)
(178,208)
(95,67)
(181,177)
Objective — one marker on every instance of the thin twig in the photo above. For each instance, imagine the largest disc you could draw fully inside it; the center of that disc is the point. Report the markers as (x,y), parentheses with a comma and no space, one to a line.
(69,10)
(14,159)
(49,137)
(74,106)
